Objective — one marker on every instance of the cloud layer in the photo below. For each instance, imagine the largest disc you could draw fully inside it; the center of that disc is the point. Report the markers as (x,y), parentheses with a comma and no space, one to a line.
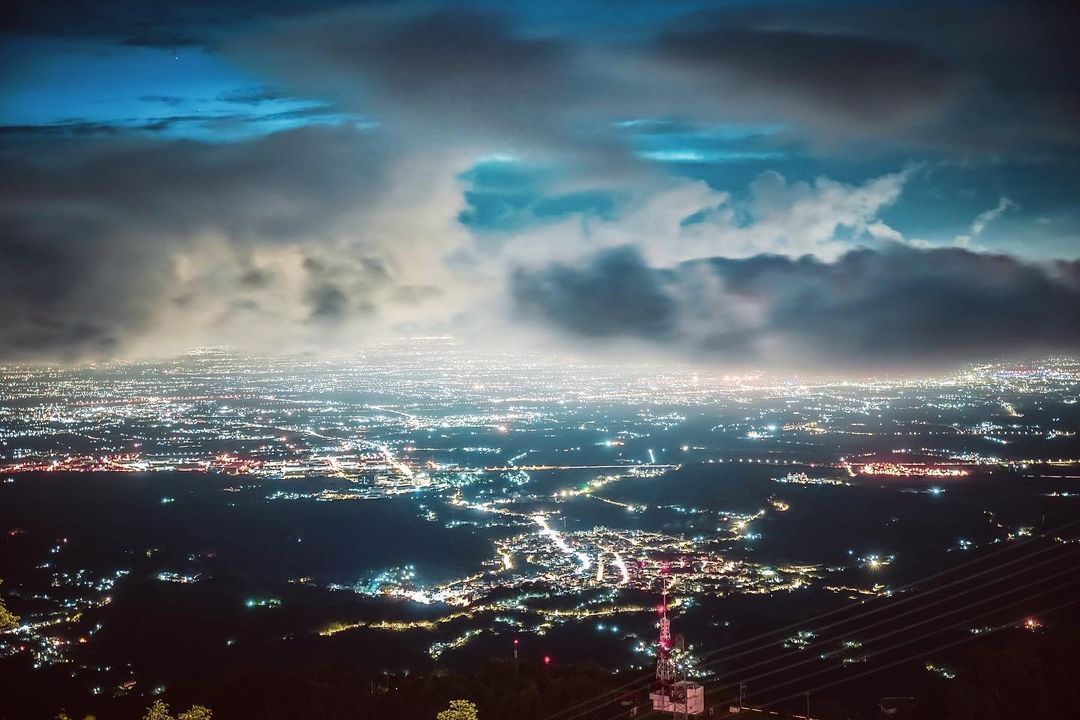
(894,307)
(123,244)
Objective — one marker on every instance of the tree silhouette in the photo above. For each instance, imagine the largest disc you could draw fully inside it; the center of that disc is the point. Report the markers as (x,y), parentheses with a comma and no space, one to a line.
(160,711)
(8,619)
(458,710)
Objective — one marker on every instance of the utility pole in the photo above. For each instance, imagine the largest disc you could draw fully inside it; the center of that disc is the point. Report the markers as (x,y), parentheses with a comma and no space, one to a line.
(742,695)
(807,693)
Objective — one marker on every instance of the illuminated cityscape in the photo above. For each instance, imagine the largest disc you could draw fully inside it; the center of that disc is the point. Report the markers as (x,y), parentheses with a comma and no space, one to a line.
(562,491)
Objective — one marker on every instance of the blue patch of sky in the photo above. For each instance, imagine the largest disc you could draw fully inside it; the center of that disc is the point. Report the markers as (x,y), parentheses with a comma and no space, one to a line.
(184,93)
(677,142)
(942,201)
(506,195)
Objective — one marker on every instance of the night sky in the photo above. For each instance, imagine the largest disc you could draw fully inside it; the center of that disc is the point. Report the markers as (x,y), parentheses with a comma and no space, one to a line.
(828,184)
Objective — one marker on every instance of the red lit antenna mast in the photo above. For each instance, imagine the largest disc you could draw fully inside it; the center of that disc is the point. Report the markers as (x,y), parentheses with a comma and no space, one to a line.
(674,694)
(665,665)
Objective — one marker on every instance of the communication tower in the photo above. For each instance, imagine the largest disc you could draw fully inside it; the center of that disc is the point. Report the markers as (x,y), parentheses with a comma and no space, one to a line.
(674,693)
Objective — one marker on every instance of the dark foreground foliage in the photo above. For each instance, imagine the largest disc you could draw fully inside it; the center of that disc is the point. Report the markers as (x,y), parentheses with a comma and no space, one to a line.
(1012,675)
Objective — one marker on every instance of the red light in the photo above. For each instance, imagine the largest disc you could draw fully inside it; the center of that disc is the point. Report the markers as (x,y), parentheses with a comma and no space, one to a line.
(516,641)
(547,659)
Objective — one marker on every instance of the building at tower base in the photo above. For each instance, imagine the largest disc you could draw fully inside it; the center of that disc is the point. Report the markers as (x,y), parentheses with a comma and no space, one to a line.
(681,698)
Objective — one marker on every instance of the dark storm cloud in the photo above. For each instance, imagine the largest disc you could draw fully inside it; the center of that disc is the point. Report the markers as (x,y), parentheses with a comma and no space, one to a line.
(10,133)
(457,68)
(328,302)
(850,79)
(253,190)
(253,95)
(994,77)
(896,306)
(615,294)
(68,288)
(147,24)
(1022,63)
(93,229)
(335,290)
(171,100)
(127,127)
